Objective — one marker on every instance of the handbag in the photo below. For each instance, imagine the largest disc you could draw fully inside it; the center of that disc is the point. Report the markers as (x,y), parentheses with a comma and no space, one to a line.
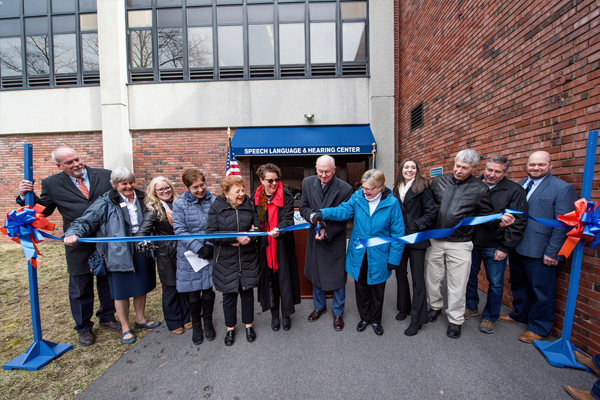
(97,261)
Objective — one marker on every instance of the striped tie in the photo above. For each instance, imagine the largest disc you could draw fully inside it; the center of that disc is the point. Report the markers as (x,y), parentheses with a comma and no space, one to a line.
(83,188)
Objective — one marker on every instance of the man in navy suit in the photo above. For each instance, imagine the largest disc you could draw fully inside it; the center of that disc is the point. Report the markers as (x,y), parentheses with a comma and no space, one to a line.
(534,261)
(71,191)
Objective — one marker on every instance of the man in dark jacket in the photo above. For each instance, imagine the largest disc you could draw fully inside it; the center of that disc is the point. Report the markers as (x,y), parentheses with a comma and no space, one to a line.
(71,191)
(492,245)
(326,258)
(457,196)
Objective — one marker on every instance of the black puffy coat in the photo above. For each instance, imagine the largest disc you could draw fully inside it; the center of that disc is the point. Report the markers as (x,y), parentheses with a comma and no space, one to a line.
(233,266)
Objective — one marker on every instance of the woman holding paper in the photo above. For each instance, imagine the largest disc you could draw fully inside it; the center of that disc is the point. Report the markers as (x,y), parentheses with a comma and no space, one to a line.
(194,256)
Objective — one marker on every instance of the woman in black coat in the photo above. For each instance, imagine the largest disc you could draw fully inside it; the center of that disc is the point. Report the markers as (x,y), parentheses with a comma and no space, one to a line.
(280,285)
(236,268)
(419,213)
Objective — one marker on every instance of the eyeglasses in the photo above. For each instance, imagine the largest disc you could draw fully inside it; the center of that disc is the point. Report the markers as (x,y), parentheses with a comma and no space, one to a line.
(271,181)
(368,189)
(321,172)
(162,190)
(202,185)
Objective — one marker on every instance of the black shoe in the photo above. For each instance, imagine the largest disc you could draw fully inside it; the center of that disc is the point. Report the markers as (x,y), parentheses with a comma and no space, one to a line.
(230,337)
(453,331)
(286,323)
(197,336)
(412,330)
(401,316)
(362,325)
(432,315)
(209,331)
(275,324)
(87,338)
(250,334)
(377,328)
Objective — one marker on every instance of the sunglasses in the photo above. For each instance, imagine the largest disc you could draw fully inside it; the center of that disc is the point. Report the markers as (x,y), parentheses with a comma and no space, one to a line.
(271,181)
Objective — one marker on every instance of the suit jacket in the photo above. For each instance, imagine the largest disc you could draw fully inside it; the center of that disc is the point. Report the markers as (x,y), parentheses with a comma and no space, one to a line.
(553,197)
(58,191)
(325,259)
(419,213)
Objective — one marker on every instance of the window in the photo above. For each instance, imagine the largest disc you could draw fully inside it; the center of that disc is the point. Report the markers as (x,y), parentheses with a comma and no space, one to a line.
(188,40)
(48,43)
(416,117)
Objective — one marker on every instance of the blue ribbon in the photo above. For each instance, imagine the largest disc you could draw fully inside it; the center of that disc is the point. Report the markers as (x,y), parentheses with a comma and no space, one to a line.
(591,221)
(18,225)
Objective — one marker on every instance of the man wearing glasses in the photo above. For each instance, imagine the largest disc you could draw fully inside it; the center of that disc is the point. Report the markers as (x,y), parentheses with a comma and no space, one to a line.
(325,257)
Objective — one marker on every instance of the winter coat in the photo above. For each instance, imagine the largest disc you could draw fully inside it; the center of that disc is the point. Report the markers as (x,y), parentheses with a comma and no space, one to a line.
(287,267)
(119,255)
(419,212)
(166,255)
(325,259)
(189,218)
(386,221)
(233,266)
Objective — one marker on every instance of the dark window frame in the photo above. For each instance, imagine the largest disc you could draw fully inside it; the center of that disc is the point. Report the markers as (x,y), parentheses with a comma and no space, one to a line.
(417,119)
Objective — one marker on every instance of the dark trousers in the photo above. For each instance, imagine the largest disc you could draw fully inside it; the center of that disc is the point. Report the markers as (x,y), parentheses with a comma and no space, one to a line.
(230,307)
(175,308)
(201,303)
(494,271)
(276,294)
(418,306)
(533,286)
(81,299)
(596,388)
(369,298)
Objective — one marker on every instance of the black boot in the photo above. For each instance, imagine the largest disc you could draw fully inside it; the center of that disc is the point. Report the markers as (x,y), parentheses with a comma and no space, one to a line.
(207,312)
(275,323)
(196,316)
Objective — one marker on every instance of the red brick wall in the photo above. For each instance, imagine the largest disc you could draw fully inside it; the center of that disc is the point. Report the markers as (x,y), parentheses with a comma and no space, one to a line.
(506,77)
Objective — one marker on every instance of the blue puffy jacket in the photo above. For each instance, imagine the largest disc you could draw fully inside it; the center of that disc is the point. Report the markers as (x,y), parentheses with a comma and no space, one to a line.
(189,217)
(386,221)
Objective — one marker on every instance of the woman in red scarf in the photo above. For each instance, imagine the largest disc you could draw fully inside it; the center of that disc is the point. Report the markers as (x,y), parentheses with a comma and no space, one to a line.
(280,286)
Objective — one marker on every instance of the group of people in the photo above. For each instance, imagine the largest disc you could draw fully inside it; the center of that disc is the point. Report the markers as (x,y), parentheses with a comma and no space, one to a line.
(98,202)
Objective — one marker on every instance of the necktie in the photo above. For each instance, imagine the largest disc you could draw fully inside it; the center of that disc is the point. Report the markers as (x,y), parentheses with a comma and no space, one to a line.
(83,188)
(528,189)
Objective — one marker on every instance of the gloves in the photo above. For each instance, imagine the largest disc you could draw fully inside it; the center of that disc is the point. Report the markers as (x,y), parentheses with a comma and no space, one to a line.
(392,267)
(206,252)
(317,217)
(145,246)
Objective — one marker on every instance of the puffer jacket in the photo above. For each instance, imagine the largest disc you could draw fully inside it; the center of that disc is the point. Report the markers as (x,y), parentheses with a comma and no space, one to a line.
(386,221)
(189,218)
(234,266)
(119,255)
(457,200)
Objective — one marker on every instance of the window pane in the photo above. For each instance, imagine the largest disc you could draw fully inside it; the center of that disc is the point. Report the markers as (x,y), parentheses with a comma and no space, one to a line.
(322,42)
(10,57)
(65,55)
(36,26)
(10,27)
(229,15)
(88,22)
(291,12)
(163,3)
(200,47)
(63,24)
(291,44)
(198,2)
(139,3)
(170,48)
(261,42)
(89,48)
(170,18)
(9,9)
(229,1)
(140,19)
(141,49)
(199,16)
(87,5)
(231,46)
(37,55)
(59,6)
(321,11)
(354,10)
(354,41)
(260,13)
(35,7)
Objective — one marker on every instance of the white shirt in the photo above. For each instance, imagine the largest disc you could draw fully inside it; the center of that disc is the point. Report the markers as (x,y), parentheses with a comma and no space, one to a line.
(536,183)
(132,209)
(403,189)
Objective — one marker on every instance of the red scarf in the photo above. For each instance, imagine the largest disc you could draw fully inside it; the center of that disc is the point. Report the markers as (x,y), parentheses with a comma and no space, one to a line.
(268,220)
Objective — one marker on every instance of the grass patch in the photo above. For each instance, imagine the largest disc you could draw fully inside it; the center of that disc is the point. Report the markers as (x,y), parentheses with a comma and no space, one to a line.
(69,374)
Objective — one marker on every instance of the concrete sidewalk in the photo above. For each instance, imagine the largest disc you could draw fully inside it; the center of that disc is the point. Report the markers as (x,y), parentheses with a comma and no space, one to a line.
(312,361)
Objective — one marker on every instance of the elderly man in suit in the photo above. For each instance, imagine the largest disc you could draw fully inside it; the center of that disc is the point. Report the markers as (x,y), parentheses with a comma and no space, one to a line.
(71,191)
(533,262)
(325,253)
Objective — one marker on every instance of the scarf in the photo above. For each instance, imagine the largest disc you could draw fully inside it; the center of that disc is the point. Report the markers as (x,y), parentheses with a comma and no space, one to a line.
(268,217)
(168,211)
(403,189)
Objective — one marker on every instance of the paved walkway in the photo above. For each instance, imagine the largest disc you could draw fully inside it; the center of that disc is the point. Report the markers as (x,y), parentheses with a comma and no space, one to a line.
(312,361)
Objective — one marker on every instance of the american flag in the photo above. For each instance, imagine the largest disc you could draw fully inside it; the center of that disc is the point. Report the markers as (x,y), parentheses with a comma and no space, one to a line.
(232,165)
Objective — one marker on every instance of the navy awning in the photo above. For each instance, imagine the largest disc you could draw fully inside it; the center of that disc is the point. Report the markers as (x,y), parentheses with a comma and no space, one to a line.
(303,140)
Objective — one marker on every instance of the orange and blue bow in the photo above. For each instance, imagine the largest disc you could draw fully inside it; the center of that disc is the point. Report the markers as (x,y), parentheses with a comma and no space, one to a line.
(22,227)
(586,222)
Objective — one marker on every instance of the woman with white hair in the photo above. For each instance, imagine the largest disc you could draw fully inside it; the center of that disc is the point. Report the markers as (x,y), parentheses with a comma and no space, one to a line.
(117,213)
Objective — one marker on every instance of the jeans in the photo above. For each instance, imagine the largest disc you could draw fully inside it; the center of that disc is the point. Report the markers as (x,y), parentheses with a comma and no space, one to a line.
(338,303)
(494,270)
(596,388)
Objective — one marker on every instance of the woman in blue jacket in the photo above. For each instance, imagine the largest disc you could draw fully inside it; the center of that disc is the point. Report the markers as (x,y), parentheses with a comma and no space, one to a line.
(376,213)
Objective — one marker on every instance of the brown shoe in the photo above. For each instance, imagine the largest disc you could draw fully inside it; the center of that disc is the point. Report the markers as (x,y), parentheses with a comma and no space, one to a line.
(315,315)
(529,337)
(87,338)
(338,323)
(507,318)
(579,394)
(471,313)
(178,331)
(586,361)
(111,325)
(487,326)
(188,325)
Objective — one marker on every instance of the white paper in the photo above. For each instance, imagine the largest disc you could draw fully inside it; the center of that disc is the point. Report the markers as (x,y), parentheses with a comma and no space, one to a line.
(196,262)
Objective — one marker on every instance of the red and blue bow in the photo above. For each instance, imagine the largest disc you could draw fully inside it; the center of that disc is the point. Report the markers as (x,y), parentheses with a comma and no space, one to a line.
(586,224)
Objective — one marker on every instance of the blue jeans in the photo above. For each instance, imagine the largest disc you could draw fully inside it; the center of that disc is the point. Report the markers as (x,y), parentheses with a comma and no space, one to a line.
(596,388)
(338,303)
(494,270)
